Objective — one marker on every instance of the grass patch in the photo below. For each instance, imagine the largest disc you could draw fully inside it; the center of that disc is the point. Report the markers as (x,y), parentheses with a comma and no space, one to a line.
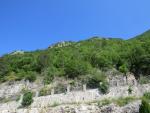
(124,101)
(147,95)
(145,106)
(104,102)
(100,103)
(120,101)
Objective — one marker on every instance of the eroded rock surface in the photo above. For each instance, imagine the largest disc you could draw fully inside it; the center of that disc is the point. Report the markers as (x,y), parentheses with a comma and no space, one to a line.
(84,108)
(69,102)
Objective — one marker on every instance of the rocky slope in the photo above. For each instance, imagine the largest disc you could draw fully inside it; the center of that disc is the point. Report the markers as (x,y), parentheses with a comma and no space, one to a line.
(117,100)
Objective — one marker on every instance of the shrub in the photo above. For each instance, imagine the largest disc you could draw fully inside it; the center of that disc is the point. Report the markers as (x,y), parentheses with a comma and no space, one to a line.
(11,77)
(44,91)
(31,76)
(74,68)
(144,80)
(4,70)
(50,73)
(27,99)
(123,69)
(60,88)
(104,102)
(95,78)
(130,90)
(103,87)
(48,79)
(21,74)
(147,95)
(145,107)
(124,101)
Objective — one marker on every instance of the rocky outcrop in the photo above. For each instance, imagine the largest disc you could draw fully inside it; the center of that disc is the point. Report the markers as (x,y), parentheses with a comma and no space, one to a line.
(79,97)
(62,44)
(89,95)
(74,101)
(121,79)
(8,90)
(129,108)
(83,108)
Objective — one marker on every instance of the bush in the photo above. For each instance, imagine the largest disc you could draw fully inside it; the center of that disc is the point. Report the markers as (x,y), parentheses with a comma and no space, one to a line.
(124,101)
(130,90)
(11,77)
(31,76)
(44,91)
(147,95)
(4,70)
(145,107)
(144,80)
(27,99)
(103,87)
(76,67)
(123,69)
(60,88)
(48,79)
(104,102)
(95,78)
(50,73)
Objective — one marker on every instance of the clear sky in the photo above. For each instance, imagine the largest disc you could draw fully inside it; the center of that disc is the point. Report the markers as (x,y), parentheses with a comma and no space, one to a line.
(35,24)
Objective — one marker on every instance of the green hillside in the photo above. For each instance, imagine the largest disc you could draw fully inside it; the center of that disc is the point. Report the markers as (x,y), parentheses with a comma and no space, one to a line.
(77,59)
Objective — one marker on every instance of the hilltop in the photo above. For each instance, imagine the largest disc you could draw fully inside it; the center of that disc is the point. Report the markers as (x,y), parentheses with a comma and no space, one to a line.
(97,75)
(75,59)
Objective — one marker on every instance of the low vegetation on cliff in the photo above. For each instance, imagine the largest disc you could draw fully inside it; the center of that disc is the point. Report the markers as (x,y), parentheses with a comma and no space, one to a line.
(145,106)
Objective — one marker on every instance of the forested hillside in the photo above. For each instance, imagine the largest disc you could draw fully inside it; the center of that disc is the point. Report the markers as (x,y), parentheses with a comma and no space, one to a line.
(77,59)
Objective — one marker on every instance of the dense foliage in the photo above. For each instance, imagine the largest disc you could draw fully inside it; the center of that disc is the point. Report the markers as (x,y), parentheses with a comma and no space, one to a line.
(78,59)
(27,99)
(103,87)
(145,106)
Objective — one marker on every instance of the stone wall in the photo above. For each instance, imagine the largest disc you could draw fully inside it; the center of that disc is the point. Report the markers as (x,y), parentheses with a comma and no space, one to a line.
(75,97)
(119,86)
(89,95)
(122,80)
(8,90)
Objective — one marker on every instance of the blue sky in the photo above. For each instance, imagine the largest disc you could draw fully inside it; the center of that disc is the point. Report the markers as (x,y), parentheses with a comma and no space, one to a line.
(35,24)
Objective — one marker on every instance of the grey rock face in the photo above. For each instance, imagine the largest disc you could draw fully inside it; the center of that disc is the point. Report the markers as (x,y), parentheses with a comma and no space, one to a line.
(72,101)
(84,108)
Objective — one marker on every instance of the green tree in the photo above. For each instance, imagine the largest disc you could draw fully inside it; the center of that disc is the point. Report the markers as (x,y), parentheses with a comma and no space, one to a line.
(75,67)
(50,73)
(101,60)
